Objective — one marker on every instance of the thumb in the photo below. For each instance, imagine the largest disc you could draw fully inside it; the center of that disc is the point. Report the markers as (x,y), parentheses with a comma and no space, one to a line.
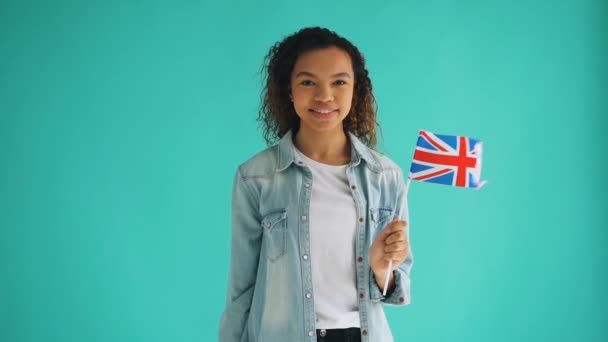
(387,230)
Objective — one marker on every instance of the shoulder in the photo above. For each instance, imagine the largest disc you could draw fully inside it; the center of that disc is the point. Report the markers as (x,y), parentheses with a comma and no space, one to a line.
(377,161)
(262,164)
(385,163)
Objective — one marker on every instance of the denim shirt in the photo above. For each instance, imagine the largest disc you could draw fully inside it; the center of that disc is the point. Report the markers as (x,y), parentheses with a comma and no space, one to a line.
(270,297)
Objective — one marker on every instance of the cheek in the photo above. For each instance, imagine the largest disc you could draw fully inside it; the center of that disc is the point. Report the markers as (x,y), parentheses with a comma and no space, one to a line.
(347,95)
(300,96)
(300,106)
(299,102)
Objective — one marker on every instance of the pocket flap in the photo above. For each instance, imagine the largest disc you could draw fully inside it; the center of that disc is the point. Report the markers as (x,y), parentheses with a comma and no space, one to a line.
(380,214)
(270,219)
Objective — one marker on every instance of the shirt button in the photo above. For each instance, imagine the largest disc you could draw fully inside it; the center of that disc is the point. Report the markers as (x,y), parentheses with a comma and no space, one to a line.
(360,259)
(323,332)
(401,299)
(361,219)
(364,332)
(308,295)
(354,187)
(303,217)
(361,295)
(307,185)
(305,256)
(311,333)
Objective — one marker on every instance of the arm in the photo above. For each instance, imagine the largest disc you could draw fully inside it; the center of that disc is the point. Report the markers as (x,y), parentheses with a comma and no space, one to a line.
(398,292)
(244,257)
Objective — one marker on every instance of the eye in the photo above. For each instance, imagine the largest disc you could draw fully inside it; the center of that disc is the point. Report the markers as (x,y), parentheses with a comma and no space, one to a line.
(306,82)
(340,82)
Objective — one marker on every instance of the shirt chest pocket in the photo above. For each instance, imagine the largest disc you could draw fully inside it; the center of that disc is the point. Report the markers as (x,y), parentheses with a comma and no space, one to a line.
(275,225)
(381,216)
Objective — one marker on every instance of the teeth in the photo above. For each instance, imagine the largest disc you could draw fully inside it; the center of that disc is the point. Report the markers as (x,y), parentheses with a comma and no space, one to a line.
(323,111)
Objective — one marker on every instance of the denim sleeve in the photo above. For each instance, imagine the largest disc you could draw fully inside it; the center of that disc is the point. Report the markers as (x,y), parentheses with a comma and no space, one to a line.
(401,293)
(244,256)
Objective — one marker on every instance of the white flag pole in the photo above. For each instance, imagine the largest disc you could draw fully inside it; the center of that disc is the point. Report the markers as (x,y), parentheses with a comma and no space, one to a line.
(390,262)
(388,273)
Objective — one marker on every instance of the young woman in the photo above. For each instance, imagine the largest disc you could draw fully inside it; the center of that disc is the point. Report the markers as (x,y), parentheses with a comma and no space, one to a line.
(316,217)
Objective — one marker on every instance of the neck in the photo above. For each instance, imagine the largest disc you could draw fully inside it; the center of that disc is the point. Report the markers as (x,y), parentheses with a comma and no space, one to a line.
(325,147)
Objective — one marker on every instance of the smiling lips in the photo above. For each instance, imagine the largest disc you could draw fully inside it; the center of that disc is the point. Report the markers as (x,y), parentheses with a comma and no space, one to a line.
(323,113)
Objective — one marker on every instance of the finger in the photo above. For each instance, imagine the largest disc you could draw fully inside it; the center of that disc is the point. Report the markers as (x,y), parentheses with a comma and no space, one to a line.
(396,247)
(387,230)
(391,256)
(394,230)
(395,237)
(398,225)
(393,226)
(396,256)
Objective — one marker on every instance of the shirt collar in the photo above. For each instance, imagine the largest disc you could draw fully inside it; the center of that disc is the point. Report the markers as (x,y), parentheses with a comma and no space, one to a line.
(359,151)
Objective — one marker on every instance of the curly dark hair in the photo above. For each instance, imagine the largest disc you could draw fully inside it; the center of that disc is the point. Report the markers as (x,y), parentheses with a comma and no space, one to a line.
(277,114)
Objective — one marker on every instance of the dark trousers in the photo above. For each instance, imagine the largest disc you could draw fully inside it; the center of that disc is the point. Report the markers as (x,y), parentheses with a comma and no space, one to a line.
(339,335)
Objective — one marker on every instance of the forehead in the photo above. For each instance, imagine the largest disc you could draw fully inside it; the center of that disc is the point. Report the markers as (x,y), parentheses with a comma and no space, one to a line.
(330,60)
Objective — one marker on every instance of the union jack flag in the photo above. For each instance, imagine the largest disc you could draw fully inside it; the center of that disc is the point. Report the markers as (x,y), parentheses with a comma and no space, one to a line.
(447,159)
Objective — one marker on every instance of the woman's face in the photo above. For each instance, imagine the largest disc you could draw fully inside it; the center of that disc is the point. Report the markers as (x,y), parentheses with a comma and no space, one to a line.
(322,84)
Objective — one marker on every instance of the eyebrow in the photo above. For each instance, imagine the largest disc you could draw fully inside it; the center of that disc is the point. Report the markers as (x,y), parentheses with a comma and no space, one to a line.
(306,73)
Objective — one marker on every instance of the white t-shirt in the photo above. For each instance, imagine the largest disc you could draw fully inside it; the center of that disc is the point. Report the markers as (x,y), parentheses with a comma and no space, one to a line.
(333,223)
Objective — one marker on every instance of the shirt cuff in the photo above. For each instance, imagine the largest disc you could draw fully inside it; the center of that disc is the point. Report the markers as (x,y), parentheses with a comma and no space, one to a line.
(399,295)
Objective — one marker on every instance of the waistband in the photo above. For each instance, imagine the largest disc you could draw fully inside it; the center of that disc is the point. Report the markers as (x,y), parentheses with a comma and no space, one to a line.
(342,335)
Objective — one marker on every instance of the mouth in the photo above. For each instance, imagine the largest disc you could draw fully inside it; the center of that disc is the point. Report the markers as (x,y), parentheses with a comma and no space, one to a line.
(323,113)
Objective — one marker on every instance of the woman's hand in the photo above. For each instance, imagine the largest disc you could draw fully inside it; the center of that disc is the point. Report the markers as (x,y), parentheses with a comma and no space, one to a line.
(390,244)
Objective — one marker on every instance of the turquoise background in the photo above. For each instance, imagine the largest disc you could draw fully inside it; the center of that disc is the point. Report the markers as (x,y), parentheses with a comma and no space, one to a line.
(122,124)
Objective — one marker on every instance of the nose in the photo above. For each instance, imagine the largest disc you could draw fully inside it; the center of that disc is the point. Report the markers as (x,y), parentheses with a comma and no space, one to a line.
(324,94)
